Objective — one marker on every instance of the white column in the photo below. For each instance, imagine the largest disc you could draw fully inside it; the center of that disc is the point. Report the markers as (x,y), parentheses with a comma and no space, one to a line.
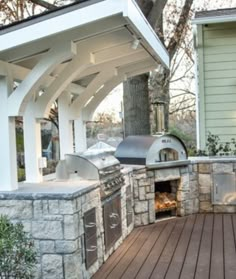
(65,125)
(32,146)
(8,162)
(80,135)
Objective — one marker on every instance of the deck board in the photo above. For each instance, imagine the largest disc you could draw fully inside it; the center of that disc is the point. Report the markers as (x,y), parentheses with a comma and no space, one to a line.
(176,264)
(150,263)
(217,256)
(164,261)
(130,254)
(138,261)
(204,257)
(201,246)
(229,247)
(188,271)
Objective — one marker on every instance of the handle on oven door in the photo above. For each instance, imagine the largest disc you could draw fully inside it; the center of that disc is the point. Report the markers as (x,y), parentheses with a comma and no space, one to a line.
(90,225)
(92,249)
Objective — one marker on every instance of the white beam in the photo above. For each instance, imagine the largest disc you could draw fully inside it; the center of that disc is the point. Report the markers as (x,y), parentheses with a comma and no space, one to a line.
(8,162)
(91,89)
(138,55)
(32,146)
(65,131)
(23,93)
(80,134)
(76,66)
(122,73)
(99,97)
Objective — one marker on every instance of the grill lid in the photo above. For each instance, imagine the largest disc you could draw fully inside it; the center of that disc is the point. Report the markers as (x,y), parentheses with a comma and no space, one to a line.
(151,150)
(91,166)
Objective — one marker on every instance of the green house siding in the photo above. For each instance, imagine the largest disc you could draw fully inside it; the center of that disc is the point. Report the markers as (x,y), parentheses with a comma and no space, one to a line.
(217,81)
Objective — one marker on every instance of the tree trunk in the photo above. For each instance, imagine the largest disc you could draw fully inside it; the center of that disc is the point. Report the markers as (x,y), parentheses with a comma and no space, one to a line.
(136,106)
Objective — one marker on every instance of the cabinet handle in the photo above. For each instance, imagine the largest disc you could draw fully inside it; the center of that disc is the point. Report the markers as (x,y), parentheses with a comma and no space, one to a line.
(90,225)
(92,249)
(113,226)
(216,189)
(114,215)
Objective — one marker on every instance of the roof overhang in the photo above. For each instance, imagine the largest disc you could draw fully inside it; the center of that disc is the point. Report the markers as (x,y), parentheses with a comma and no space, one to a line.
(215,16)
(78,23)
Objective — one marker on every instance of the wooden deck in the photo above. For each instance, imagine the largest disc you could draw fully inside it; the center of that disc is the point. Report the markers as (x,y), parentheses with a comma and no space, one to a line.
(198,246)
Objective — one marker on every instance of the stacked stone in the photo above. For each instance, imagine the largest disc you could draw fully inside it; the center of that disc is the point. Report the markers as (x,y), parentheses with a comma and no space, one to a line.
(206,172)
(56,226)
(187,193)
(143,183)
(183,181)
(205,187)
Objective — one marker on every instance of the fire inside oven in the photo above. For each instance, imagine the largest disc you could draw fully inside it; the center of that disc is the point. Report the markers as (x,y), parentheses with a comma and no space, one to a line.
(166,198)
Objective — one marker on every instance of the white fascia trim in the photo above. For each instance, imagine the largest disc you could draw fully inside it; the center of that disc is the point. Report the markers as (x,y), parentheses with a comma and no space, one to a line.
(140,24)
(212,20)
(58,24)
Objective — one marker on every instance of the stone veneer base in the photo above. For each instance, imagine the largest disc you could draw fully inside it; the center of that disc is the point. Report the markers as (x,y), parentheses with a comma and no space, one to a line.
(54,217)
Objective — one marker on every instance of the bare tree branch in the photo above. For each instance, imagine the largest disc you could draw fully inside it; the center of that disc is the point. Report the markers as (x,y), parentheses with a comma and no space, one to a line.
(183,94)
(44,4)
(179,30)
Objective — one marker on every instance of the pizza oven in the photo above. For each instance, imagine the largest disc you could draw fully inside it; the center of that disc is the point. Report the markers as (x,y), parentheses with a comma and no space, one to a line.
(159,151)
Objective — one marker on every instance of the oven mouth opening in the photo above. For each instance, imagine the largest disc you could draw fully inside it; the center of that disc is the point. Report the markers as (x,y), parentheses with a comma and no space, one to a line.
(166,198)
(168,154)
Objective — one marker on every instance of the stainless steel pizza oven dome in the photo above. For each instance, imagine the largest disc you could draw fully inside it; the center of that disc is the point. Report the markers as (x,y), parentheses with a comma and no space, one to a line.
(152,151)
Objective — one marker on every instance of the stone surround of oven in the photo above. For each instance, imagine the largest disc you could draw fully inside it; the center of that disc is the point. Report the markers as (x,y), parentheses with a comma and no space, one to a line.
(144,191)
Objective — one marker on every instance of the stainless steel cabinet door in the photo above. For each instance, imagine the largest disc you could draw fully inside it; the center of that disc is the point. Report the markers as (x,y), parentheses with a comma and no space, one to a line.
(90,237)
(112,221)
(224,188)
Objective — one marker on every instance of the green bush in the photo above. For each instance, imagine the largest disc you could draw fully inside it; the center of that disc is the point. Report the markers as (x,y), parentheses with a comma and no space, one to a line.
(17,254)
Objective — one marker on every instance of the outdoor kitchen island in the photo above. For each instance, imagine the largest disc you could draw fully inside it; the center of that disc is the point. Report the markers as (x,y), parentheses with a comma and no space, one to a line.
(65,220)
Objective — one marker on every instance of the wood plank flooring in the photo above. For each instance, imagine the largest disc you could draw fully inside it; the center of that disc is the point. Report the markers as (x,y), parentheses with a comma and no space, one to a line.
(201,246)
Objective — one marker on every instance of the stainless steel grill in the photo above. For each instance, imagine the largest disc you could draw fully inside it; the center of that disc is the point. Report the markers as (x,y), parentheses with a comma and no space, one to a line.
(153,151)
(102,166)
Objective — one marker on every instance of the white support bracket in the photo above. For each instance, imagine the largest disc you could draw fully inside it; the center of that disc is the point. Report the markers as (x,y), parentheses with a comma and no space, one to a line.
(8,160)
(65,124)
(21,96)
(73,69)
(91,90)
(128,71)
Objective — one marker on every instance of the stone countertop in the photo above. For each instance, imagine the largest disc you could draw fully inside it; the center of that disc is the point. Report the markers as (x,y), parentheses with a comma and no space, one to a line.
(213,159)
(51,189)
(129,168)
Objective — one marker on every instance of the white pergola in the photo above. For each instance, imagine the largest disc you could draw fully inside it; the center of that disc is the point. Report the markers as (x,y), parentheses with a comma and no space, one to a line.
(76,54)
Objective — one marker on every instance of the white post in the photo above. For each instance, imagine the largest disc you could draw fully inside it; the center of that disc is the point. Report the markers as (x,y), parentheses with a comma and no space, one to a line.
(80,135)
(65,125)
(8,162)
(32,146)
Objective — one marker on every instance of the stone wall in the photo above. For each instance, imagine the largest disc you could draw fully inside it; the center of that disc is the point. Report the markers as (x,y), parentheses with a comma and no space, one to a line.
(206,172)
(144,191)
(57,228)
(194,191)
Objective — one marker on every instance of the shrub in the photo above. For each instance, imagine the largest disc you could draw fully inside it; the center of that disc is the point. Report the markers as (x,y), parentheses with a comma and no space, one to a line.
(17,254)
